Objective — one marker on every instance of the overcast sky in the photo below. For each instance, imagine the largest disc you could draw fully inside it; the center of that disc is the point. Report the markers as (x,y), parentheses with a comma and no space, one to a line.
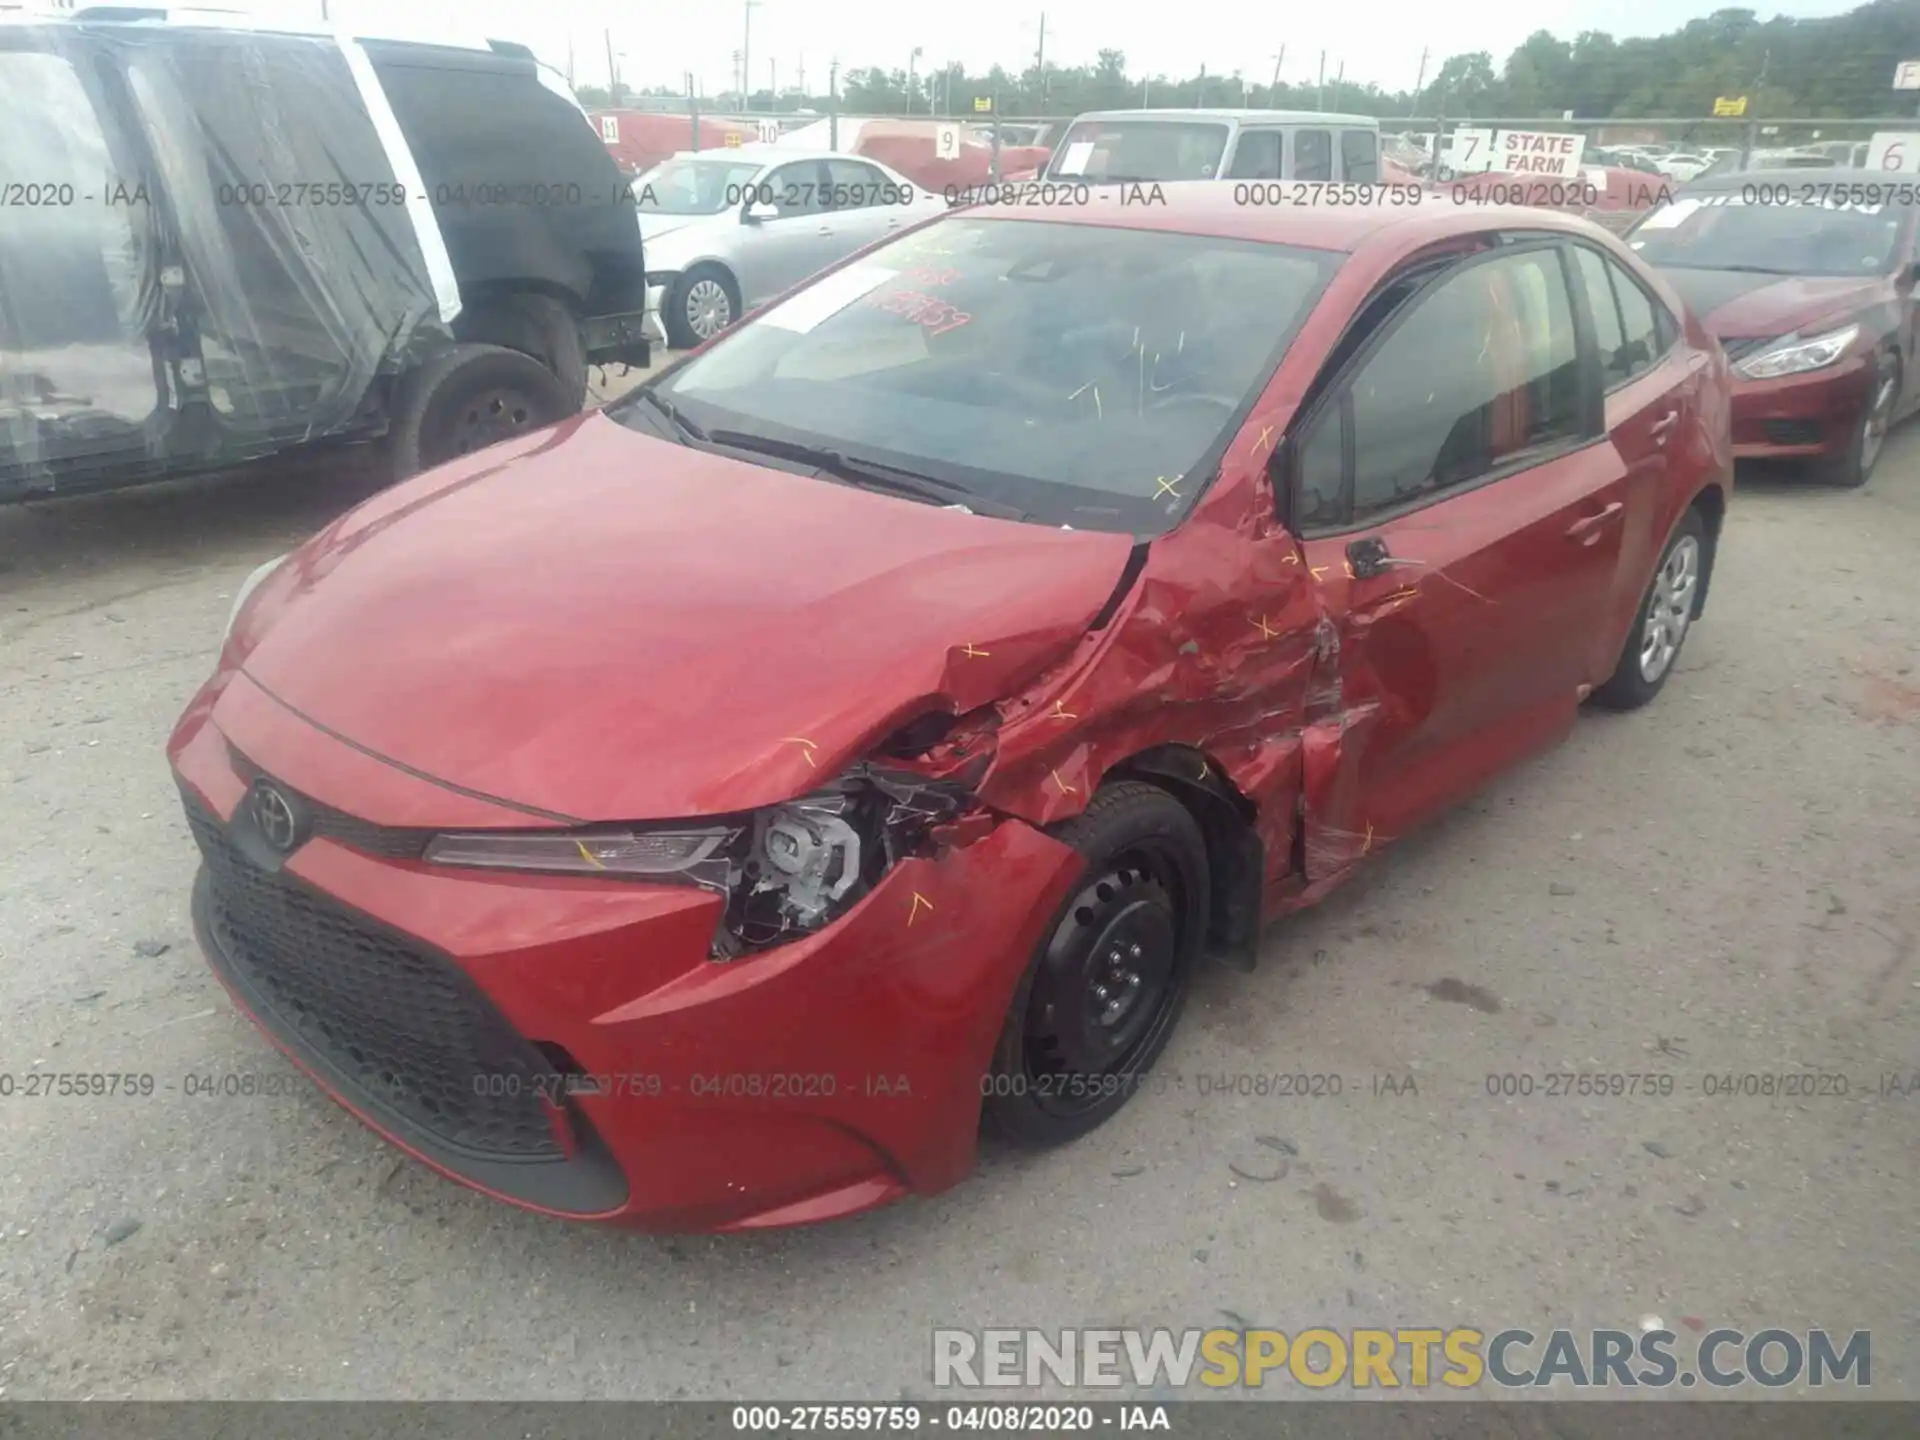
(1378,40)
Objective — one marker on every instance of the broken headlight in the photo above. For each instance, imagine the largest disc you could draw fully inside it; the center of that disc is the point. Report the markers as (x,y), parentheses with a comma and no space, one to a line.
(785,871)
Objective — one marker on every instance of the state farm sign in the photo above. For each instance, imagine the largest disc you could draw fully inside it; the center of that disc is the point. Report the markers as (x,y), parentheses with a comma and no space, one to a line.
(1516,152)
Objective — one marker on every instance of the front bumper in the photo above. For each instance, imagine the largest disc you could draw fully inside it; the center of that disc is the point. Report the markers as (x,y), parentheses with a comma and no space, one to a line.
(1805,416)
(653,326)
(816,1080)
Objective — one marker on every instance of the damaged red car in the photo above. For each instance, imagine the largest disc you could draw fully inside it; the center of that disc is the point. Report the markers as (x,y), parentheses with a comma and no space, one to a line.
(705,813)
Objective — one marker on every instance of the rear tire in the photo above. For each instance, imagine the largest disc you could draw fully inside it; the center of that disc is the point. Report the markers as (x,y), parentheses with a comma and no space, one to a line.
(1663,621)
(1853,467)
(1100,998)
(536,325)
(466,398)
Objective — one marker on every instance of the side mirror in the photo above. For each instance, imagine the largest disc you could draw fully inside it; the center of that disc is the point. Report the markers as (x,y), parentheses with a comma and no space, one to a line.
(759,212)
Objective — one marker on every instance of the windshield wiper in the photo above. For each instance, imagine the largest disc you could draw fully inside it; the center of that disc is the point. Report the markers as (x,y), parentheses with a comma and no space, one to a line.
(1752,269)
(685,427)
(867,474)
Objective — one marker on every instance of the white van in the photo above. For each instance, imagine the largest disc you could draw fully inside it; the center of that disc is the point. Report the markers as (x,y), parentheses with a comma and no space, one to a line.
(1165,145)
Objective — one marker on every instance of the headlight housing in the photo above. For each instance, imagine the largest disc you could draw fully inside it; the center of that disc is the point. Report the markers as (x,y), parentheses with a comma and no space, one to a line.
(1793,354)
(786,871)
(247,587)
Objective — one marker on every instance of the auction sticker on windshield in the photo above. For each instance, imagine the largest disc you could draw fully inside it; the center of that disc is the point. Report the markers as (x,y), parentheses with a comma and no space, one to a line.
(1074,162)
(827,297)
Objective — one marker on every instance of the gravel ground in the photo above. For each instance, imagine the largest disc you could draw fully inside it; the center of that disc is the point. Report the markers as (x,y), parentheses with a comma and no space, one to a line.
(1726,883)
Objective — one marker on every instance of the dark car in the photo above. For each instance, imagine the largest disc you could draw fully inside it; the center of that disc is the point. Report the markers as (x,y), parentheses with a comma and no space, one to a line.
(875,720)
(1807,280)
(219,243)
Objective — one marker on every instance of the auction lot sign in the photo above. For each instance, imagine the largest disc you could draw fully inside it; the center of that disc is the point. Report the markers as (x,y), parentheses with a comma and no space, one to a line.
(1515,152)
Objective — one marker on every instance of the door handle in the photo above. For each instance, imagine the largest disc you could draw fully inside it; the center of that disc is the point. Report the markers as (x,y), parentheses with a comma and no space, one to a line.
(1586,525)
(826,229)
(1658,430)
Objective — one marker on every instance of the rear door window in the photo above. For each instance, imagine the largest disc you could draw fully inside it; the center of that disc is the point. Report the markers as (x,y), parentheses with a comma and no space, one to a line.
(1257,155)
(1312,155)
(1360,157)
(855,185)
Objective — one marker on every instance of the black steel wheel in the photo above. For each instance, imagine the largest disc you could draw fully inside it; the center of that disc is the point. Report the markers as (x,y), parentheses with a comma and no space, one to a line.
(468,397)
(1102,995)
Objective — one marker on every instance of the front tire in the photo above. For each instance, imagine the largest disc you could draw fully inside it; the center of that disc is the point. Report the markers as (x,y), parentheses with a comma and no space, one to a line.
(699,305)
(1853,467)
(1663,621)
(1101,996)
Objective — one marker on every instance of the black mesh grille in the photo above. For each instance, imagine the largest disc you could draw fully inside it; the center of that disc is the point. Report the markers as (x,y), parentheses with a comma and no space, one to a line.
(406,1026)
(384,841)
(1792,432)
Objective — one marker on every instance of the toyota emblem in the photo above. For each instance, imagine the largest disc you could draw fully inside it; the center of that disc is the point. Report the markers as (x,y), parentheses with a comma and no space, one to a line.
(273,813)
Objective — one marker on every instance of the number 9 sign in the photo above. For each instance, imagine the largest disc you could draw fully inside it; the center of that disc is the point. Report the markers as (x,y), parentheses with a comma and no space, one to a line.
(946,142)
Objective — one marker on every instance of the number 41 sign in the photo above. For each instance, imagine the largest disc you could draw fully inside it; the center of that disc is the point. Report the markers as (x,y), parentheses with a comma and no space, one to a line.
(1896,151)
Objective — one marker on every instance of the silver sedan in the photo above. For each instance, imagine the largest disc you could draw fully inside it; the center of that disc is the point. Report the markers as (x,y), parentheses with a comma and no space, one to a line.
(726,230)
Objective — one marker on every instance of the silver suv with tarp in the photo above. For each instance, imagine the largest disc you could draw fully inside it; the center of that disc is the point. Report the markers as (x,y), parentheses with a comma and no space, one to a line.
(219,243)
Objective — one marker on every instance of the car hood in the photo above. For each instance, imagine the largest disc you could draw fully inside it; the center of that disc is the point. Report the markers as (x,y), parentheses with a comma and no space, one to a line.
(604,625)
(658,227)
(1735,305)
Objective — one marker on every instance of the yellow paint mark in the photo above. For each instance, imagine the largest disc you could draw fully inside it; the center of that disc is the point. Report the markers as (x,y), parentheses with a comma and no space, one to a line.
(807,749)
(1266,438)
(1098,409)
(1290,559)
(1319,570)
(1203,770)
(1266,630)
(1347,565)
(976,654)
(1065,789)
(1081,391)
(1367,844)
(1166,486)
(1060,713)
(587,855)
(914,913)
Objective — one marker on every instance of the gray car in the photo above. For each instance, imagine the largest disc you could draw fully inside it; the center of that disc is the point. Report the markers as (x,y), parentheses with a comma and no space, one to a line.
(727,230)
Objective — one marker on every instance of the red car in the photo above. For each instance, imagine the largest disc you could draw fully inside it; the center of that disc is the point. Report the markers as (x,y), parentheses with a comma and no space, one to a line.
(1807,279)
(697,814)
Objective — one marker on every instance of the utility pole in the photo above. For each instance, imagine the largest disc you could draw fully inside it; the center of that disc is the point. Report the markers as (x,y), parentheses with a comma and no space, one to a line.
(1321,104)
(912,60)
(746,55)
(773,83)
(1273,100)
(1200,98)
(833,105)
(613,71)
(1040,62)
(739,80)
(802,82)
(569,56)
(1419,81)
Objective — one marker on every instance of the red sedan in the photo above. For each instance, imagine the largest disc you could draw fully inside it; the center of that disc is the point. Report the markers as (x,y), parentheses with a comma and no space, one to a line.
(702,814)
(1808,279)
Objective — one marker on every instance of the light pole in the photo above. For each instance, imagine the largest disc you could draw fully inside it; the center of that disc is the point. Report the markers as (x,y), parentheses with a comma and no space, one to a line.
(746,55)
(911,60)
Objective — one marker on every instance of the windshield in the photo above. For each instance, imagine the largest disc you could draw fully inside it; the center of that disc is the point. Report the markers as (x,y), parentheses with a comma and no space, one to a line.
(1140,150)
(695,187)
(1082,375)
(1719,232)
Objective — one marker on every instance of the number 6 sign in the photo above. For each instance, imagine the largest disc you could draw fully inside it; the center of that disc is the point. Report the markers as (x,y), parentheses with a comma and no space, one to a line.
(1894,151)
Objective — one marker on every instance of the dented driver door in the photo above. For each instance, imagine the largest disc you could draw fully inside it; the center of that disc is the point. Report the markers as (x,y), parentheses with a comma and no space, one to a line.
(1436,488)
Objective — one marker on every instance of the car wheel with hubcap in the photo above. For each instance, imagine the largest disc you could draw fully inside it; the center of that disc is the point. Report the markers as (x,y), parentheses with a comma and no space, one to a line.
(1665,616)
(1101,997)
(702,302)
(1853,466)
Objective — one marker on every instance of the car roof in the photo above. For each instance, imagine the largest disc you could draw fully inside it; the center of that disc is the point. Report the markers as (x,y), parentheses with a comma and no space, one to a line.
(1208,207)
(1244,117)
(1732,179)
